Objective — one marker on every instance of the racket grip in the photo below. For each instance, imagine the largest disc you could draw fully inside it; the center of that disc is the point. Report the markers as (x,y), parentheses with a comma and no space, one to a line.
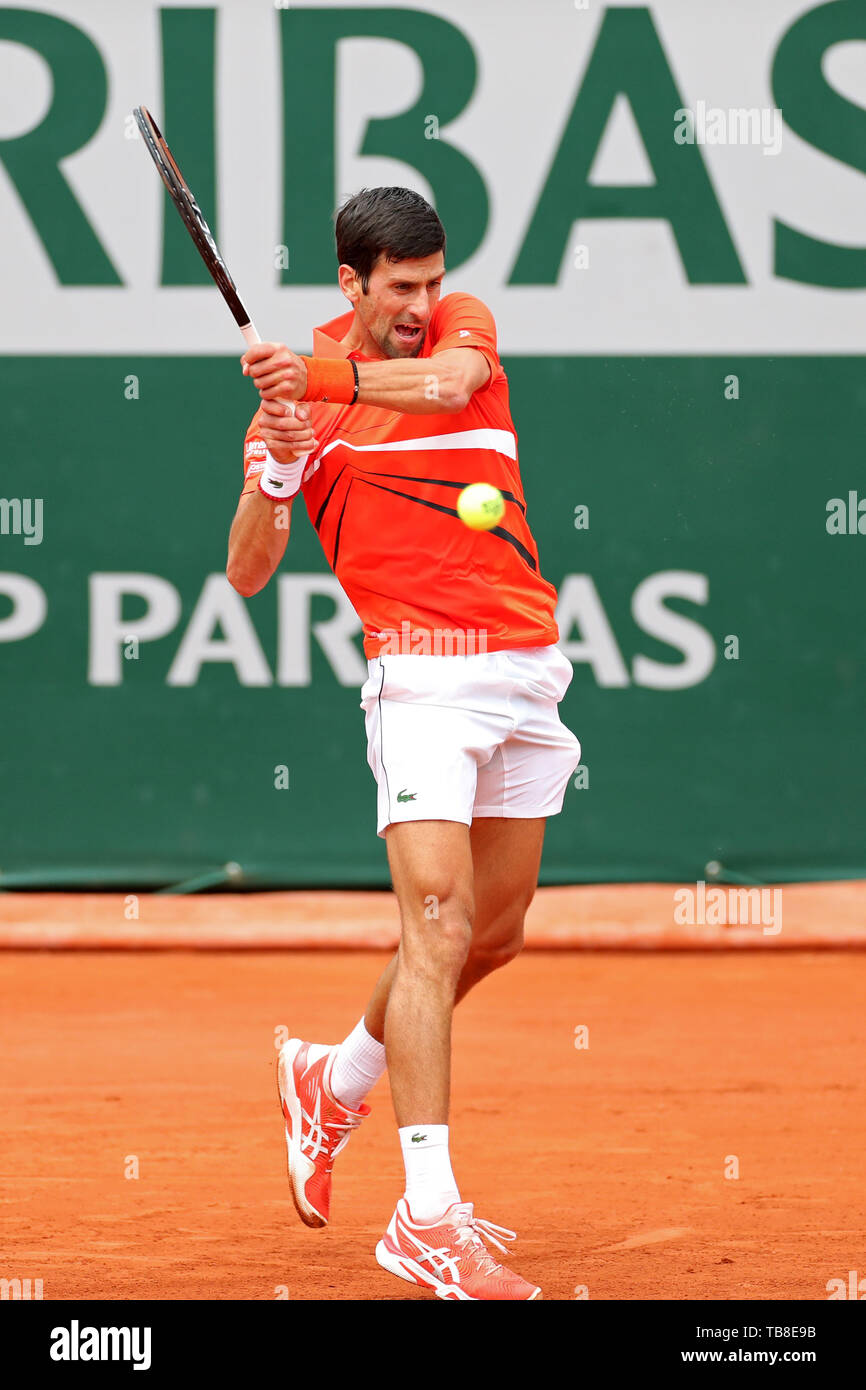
(251,337)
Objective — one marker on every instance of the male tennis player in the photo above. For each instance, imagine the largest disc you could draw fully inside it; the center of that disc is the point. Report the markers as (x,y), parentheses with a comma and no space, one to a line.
(408,403)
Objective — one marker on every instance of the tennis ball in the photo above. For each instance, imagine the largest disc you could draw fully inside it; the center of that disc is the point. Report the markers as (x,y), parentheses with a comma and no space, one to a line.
(481,506)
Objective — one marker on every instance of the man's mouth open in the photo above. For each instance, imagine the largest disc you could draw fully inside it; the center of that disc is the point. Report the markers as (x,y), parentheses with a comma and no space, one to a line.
(409,333)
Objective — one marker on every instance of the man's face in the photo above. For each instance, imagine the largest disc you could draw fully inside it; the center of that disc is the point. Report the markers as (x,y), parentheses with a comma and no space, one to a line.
(399,303)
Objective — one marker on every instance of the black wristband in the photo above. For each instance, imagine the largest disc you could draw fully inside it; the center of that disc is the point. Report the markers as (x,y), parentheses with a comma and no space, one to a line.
(357,380)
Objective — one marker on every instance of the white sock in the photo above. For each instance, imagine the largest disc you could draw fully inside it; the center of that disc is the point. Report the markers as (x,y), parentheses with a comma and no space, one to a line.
(430,1185)
(359,1063)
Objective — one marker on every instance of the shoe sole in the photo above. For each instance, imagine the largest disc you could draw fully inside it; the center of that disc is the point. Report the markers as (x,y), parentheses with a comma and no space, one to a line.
(289,1101)
(408,1269)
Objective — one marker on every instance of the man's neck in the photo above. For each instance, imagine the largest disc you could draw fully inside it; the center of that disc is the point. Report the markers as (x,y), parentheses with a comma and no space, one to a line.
(358,340)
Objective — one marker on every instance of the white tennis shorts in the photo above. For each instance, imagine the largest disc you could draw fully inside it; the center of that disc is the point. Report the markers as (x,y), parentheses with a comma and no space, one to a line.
(454,737)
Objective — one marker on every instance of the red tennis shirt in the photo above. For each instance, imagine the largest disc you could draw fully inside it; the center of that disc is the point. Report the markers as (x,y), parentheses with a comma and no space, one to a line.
(381,492)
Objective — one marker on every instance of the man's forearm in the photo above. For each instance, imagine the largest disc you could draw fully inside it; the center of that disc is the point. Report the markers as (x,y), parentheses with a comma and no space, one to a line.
(414,386)
(441,384)
(257,541)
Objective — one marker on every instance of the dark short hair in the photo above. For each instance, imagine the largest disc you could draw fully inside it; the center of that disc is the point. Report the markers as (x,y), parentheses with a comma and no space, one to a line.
(391,222)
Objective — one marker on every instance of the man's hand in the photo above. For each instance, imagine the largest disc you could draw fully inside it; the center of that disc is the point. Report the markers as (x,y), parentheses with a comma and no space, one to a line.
(286,435)
(276,371)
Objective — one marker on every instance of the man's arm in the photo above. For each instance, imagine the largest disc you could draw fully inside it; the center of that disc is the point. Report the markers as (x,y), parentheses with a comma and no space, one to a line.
(444,382)
(437,385)
(256,545)
(260,529)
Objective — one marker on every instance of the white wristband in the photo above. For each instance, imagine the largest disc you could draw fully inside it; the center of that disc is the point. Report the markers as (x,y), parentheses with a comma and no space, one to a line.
(281,480)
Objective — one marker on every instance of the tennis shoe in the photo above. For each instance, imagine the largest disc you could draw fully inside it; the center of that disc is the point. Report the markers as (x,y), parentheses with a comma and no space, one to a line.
(318,1126)
(450,1256)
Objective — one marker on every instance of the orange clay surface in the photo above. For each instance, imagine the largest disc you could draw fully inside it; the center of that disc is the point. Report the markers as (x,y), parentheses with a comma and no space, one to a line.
(586,917)
(609,1160)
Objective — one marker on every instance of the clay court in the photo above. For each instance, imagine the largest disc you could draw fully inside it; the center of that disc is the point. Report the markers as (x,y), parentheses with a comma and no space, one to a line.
(609,1160)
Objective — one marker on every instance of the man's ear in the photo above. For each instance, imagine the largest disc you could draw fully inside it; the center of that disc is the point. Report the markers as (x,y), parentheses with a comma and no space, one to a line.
(349,284)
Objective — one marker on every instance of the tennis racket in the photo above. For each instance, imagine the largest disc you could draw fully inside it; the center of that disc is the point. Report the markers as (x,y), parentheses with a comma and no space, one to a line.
(182,197)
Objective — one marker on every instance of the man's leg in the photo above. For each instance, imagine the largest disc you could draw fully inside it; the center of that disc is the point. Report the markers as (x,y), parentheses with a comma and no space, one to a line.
(433,1238)
(506,855)
(431,870)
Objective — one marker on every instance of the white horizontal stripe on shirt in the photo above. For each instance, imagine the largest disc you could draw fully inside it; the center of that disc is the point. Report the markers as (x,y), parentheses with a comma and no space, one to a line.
(502,441)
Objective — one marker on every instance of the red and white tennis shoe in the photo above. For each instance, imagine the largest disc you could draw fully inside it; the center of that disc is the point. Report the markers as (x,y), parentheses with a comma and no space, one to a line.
(317,1125)
(450,1256)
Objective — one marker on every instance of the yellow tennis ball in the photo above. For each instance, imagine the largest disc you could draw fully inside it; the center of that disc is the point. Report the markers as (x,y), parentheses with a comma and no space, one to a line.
(481,506)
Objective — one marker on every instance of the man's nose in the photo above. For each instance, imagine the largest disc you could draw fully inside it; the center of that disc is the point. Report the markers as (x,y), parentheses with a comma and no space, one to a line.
(418,305)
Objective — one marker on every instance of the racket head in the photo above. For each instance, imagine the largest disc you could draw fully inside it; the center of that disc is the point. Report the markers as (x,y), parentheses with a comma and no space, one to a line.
(182,197)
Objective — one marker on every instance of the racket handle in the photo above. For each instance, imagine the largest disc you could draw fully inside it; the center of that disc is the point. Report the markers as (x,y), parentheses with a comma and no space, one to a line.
(251,337)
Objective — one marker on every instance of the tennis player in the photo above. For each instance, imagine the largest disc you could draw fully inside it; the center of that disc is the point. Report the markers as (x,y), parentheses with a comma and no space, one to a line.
(402,404)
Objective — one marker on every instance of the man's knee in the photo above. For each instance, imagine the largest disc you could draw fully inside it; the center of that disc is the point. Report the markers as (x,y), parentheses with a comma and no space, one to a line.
(494,950)
(439,937)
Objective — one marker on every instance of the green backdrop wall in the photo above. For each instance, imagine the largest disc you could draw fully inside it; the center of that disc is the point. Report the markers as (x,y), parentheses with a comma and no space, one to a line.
(649,210)
(713,473)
